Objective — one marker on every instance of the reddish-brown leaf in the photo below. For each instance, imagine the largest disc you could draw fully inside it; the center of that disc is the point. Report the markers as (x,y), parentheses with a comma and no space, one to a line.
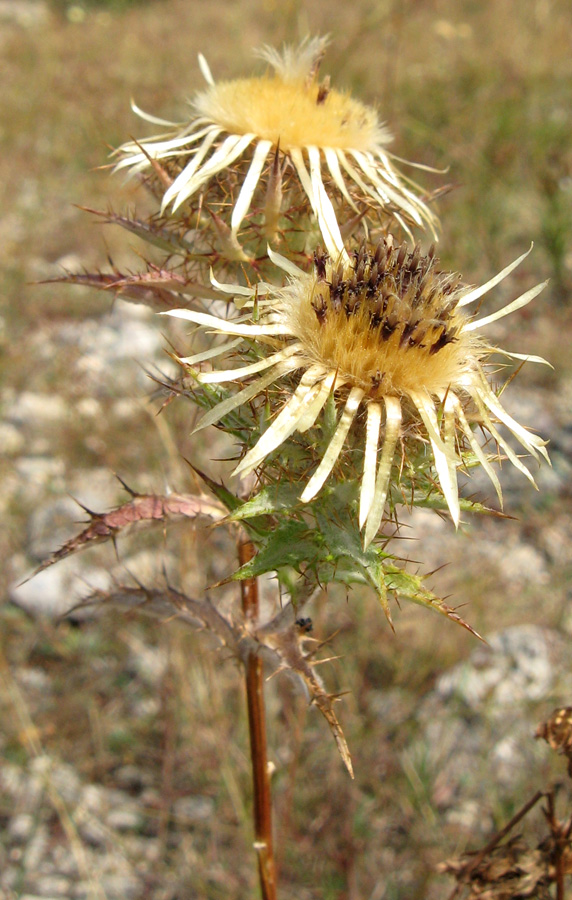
(142,508)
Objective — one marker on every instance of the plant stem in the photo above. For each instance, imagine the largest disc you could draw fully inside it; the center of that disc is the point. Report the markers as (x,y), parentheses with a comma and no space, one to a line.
(257,727)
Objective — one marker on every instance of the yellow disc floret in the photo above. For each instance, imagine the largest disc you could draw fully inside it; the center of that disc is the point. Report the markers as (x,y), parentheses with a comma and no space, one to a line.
(388,322)
(292,113)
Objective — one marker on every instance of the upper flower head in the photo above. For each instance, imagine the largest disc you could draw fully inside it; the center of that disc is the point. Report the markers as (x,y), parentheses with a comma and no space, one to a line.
(384,331)
(323,132)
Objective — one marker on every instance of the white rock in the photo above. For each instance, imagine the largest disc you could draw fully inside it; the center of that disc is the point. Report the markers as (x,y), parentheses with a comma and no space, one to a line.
(93,799)
(130,778)
(52,886)
(26,13)
(58,590)
(12,441)
(21,827)
(50,525)
(93,833)
(193,809)
(34,409)
(89,408)
(517,665)
(32,678)
(124,819)
(38,473)
(120,887)
(66,782)
(35,853)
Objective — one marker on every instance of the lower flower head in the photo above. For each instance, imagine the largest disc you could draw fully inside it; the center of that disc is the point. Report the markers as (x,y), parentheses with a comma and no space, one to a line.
(382,330)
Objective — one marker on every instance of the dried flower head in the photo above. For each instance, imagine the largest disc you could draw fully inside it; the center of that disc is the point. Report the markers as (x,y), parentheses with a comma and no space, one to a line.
(382,330)
(321,131)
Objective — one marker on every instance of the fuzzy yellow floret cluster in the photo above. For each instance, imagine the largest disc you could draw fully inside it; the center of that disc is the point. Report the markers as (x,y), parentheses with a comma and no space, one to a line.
(291,114)
(387,322)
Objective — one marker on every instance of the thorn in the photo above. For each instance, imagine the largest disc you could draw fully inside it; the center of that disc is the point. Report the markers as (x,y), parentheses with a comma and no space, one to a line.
(230,244)
(277,671)
(126,487)
(338,696)
(160,172)
(86,509)
(273,201)
(318,662)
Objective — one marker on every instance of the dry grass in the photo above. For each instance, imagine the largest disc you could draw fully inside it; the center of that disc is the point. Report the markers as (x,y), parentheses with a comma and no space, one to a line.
(484,88)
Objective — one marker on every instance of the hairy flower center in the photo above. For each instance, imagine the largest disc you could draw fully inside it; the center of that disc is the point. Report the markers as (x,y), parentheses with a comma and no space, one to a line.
(293,112)
(388,322)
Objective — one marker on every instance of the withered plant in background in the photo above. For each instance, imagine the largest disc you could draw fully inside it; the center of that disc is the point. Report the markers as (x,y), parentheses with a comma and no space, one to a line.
(353,382)
(508,868)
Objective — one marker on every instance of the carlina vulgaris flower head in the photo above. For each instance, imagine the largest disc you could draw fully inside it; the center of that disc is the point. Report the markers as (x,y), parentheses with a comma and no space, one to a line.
(383,330)
(323,133)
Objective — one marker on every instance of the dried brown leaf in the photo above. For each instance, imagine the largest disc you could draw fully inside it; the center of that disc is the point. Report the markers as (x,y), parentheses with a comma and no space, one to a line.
(160,289)
(510,871)
(287,645)
(557,732)
(125,286)
(168,603)
(281,647)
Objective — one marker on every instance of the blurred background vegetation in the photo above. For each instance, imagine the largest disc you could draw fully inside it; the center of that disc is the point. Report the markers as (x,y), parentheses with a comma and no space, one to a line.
(483,90)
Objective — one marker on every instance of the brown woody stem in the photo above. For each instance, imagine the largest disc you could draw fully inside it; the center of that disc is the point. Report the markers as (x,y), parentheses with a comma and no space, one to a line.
(257,727)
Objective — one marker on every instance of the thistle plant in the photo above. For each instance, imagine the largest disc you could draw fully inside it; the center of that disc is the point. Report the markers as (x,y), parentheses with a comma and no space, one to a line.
(346,366)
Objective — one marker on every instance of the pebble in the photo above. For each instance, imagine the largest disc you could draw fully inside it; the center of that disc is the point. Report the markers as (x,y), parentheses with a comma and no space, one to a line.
(25,13)
(40,473)
(193,809)
(124,819)
(66,781)
(92,799)
(476,725)
(12,441)
(130,778)
(59,590)
(128,332)
(120,887)
(33,679)
(93,833)
(149,663)
(35,852)
(50,525)
(37,410)
(52,886)
(89,408)
(41,897)
(517,665)
(20,828)
(39,859)
(470,818)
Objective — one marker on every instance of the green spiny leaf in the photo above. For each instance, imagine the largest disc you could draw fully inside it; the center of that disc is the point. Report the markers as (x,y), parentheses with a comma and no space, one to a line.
(290,544)
(411,587)
(151,232)
(270,500)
